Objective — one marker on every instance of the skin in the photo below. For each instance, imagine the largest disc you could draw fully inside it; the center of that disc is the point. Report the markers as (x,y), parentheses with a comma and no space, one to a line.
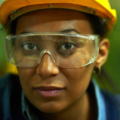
(74,102)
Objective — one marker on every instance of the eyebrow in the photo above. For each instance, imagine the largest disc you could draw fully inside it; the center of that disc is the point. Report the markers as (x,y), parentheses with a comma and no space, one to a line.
(69,30)
(63,31)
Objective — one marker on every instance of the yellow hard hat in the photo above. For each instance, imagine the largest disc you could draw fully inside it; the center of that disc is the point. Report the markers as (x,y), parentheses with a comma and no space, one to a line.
(11,9)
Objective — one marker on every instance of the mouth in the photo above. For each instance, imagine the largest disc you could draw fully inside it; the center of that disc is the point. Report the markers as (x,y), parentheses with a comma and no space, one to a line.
(49,91)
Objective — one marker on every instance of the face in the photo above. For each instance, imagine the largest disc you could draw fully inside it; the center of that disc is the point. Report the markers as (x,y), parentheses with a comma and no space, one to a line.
(49,88)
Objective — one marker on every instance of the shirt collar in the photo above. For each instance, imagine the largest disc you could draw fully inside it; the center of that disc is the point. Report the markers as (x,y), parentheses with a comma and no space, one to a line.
(98,95)
(23,105)
(26,110)
(100,102)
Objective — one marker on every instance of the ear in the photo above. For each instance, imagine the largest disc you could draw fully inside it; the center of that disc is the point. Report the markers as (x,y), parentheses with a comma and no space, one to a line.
(102,54)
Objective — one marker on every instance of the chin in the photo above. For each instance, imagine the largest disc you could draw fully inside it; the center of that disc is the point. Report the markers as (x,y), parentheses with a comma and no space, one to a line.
(51,108)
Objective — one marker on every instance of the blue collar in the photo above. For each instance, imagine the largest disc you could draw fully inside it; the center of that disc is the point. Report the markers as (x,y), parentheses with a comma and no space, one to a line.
(100,102)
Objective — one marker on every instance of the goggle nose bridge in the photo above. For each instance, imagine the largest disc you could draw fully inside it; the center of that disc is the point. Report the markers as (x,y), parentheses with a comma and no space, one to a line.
(45,51)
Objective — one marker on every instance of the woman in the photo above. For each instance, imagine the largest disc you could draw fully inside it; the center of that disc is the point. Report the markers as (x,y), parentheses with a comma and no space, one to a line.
(56,45)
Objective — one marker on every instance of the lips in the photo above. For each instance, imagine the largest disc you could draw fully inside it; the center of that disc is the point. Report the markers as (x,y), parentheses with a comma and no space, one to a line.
(49,91)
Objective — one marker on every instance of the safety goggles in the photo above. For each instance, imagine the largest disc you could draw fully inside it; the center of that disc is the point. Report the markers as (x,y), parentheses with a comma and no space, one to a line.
(65,50)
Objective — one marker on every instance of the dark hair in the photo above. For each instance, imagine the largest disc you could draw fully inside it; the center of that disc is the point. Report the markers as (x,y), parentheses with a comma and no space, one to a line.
(12,27)
(99,25)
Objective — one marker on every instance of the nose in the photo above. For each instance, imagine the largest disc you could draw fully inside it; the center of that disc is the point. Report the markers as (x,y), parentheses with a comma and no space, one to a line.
(47,67)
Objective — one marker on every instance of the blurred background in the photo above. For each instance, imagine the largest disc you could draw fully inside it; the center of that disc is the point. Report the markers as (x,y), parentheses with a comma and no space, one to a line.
(112,66)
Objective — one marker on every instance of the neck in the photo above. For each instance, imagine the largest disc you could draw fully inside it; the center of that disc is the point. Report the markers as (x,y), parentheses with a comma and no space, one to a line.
(80,110)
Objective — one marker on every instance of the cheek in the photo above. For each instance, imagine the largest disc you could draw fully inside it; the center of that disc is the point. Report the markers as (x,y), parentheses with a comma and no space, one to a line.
(28,78)
(78,79)
(25,75)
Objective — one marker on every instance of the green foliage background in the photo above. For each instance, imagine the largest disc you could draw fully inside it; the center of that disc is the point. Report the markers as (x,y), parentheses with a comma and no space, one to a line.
(113,63)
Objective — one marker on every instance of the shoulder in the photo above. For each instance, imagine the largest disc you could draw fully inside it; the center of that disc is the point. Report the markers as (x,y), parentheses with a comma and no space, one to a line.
(8,80)
(108,103)
(112,104)
(9,84)
(110,97)
(10,96)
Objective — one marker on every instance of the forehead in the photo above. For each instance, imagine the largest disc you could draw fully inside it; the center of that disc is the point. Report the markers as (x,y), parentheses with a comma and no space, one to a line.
(53,20)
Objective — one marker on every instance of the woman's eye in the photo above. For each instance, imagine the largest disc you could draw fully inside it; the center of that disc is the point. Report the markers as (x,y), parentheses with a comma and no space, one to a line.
(66,49)
(67,46)
(29,46)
